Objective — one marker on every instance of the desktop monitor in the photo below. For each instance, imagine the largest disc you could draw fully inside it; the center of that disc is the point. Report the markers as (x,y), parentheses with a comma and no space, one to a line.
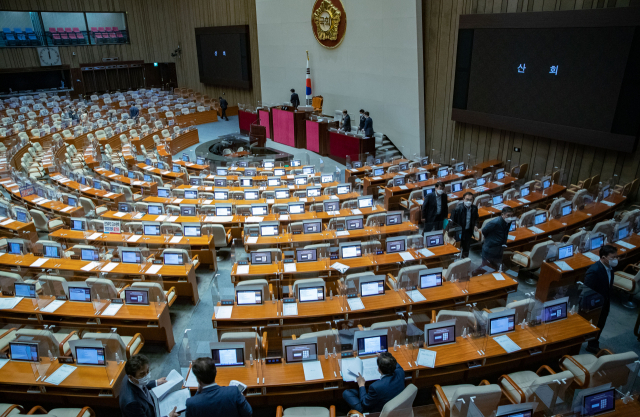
(227,354)
(164,192)
(219,182)
(596,242)
(21,215)
(565,210)
(124,207)
(308,170)
(80,293)
(300,180)
(83,180)
(139,296)
(481,181)
(224,209)
(365,201)
(185,158)
(314,191)
(92,356)
(187,209)
(326,178)
(300,350)
(173,257)
(528,412)
(222,172)
(200,160)
(296,163)
(459,167)
(311,226)
(130,256)
(350,250)
(396,244)
(377,161)
(269,228)
(371,285)
(191,229)
(279,172)
(259,210)
(246,182)
(426,191)
(176,169)
(456,186)
(4,210)
(191,194)
(430,278)
(251,194)
(403,165)
(117,170)
(51,251)
(220,194)
(357,164)
(512,226)
(540,218)
(155,209)
(24,351)
(248,297)
(555,310)
(295,208)
(78,224)
(441,333)
(273,182)
(268,163)
(500,174)
(599,403)
(377,171)
(443,172)
(22,289)
(354,222)
(282,193)
(147,178)
(243,164)
(546,182)
(306,255)
(310,294)
(89,255)
(343,189)
(370,342)
(497,199)
(261,258)
(15,247)
(422,176)
(622,232)
(393,217)
(606,191)
(331,206)
(424,161)
(398,180)
(502,322)
(195,181)
(433,239)
(147,161)
(250,172)
(130,174)
(72,201)
(565,252)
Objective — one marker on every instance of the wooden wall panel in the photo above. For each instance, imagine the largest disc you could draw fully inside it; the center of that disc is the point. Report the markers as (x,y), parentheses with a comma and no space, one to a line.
(458,140)
(156,28)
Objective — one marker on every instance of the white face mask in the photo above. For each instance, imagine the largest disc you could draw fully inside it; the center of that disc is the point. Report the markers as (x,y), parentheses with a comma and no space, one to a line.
(467,203)
(439,192)
(145,379)
(613,263)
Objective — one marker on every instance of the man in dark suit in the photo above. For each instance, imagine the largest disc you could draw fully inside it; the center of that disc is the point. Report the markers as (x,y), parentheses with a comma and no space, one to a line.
(212,400)
(134,112)
(465,215)
(136,399)
(435,209)
(295,100)
(380,392)
(599,278)
(362,119)
(496,232)
(368,125)
(223,106)
(346,121)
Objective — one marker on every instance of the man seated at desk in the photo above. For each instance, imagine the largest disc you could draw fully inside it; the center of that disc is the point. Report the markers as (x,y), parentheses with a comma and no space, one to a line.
(381,391)
(212,400)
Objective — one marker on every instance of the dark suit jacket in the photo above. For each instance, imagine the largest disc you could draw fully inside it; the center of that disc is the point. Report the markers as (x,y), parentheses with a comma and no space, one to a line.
(295,100)
(597,279)
(495,234)
(133,112)
(430,208)
(382,391)
(223,104)
(133,402)
(368,127)
(362,119)
(459,216)
(346,123)
(218,401)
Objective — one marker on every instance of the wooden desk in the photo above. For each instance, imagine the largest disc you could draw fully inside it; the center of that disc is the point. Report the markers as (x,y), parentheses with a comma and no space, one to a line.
(310,200)
(342,145)
(489,188)
(291,188)
(362,171)
(196,118)
(55,207)
(392,195)
(152,322)
(183,140)
(191,166)
(202,246)
(172,276)
(534,199)
(17,229)
(98,196)
(369,184)
(318,135)
(256,178)
(166,175)
(142,186)
(487,166)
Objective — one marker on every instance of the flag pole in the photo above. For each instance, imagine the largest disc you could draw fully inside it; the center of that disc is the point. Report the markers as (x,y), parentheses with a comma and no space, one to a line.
(308,83)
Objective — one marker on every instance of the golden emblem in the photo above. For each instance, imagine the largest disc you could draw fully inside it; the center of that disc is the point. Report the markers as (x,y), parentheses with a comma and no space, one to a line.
(327,19)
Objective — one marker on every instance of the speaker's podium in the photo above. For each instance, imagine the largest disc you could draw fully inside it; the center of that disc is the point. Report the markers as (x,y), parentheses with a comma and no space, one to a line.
(289,126)
(342,145)
(317,130)
(245,119)
(258,135)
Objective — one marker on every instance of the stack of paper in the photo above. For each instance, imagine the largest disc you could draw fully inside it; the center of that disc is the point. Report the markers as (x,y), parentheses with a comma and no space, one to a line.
(223,312)
(426,252)
(290,267)
(90,266)
(60,374)
(53,306)
(406,256)
(177,201)
(355,304)
(608,203)
(134,238)
(170,395)
(426,358)
(112,310)
(242,269)
(9,303)
(172,219)
(312,370)
(219,219)
(416,296)
(153,269)
(352,367)
(564,266)
(290,309)
(109,267)
(340,267)
(498,276)
(506,343)
(67,209)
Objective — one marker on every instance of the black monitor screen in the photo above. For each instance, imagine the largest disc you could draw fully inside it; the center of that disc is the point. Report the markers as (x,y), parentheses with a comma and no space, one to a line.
(503,324)
(354,224)
(441,335)
(372,345)
(331,206)
(258,258)
(228,357)
(300,353)
(555,312)
(306,255)
(430,280)
(151,229)
(136,297)
(312,227)
(434,240)
(248,297)
(394,219)
(394,246)
(599,403)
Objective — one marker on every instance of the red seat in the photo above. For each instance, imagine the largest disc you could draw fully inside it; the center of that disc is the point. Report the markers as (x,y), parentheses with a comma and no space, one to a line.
(76,30)
(112,35)
(72,36)
(108,29)
(52,30)
(115,29)
(94,29)
(119,35)
(80,36)
(60,30)
(56,38)
(68,30)
(100,29)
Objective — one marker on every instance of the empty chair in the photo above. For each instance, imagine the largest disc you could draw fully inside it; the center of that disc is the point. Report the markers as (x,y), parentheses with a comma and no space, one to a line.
(457,270)
(130,344)
(464,319)
(594,370)
(575,238)
(531,260)
(156,292)
(102,287)
(43,224)
(520,387)
(57,342)
(454,400)
(606,228)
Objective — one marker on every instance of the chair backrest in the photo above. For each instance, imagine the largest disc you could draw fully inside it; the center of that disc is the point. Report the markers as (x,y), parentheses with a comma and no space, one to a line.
(554,209)
(102,287)
(402,404)
(464,319)
(482,200)
(39,219)
(353,280)
(606,227)
(409,272)
(575,238)
(263,283)
(527,218)
(612,368)
(539,254)
(306,282)
(522,307)
(458,269)
(276,254)
(156,292)
(486,399)
(376,219)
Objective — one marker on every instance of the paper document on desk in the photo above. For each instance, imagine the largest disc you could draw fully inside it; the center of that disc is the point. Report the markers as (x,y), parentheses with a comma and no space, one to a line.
(191,382)
(153,270)
(219,219)
(511,237)
(406,256)
(95,236)
(284,217)
(176,239)
(252,239)
(53,306)
(498,183)
(376,178)
(368,368)
(134,238)
(426,358)
(291,267)
(90,266)
(340,267)
(206,202)
(303,199)
(312,370)
(536,230)
(67,209)
(109,194)
(416,296)
(9,303)
(356,211)
(270,201)
(138,215)
(253,219)
(403,187)
(563,265)
(6,222)
(113,175)
(112,310)
(172,219)
(109,267)
(333,213)
(174,383)
(40,262)
(498,276)
(524,200)
(334,197)
(355,304)
(60,374)
(119,214)
(223,312)
(176,399)
(506,343)
(592,256)
(177,200)
(240,385)
(342,233)
(161,218)
(242,269)
(426,252)
(290,309)
(624,244)
(608,203)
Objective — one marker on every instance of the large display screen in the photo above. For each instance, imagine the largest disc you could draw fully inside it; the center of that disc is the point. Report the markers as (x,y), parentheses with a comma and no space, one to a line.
(563,75)
(224,56)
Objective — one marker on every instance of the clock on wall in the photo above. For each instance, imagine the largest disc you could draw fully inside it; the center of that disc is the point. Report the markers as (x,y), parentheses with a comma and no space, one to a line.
(49,56)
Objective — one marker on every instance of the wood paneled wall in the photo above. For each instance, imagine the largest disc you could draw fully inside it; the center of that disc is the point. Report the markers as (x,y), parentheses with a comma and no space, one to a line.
(457,140)
(156,28)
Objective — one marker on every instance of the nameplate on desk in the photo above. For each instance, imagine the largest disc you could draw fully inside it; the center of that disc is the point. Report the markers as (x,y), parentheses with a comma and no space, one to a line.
(332,256)
(296,232)
(289,300)
(37,254)
(66,359)
(117,301)
(253,235)
(243,262)
(226,302)
(61,297)
(273,360)
(379,252)
(346,354)
(157,262)
(7,293)
(339,228)
(287,261)
(352,296)
(115,260)
(4,355)
(75,257)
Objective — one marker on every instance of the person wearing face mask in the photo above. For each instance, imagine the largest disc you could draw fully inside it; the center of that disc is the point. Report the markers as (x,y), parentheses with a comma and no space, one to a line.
(362,120)
(599,278)
(435,208)
(136,399)
(496,232)
(465,215)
